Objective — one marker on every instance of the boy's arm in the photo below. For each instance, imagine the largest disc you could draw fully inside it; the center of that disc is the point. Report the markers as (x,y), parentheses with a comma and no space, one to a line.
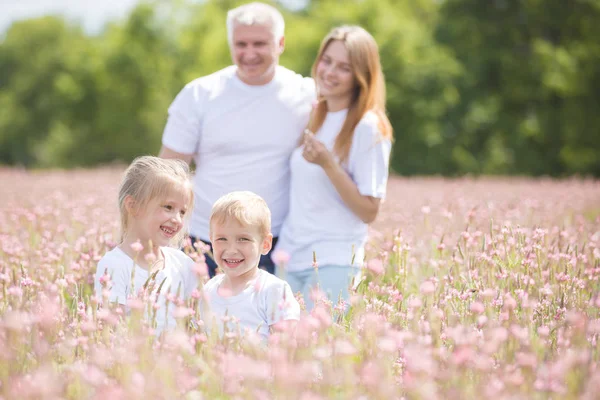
(283,310)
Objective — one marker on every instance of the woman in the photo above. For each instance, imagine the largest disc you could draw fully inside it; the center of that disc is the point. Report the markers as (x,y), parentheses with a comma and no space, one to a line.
(339,173)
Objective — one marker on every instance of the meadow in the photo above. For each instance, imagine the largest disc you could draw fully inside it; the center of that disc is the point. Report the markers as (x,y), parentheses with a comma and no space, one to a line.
(474,288)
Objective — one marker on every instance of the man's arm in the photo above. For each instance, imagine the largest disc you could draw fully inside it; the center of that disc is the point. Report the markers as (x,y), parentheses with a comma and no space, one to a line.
(166,152)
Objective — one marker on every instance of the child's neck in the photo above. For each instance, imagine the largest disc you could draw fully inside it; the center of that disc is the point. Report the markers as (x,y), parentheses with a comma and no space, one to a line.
(146,258)
(236,285)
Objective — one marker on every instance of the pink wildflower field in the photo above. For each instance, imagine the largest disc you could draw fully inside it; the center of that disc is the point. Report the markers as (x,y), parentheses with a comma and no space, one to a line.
(474,288)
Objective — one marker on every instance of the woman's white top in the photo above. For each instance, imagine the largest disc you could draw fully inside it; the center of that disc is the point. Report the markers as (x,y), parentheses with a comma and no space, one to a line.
(318,219)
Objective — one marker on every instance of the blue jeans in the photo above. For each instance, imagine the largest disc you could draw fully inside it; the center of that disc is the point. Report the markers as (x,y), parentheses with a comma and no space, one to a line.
(265,260)
(334,281)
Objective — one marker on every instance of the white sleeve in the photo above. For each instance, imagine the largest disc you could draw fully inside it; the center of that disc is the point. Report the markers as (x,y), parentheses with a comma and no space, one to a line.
(281,304)
(369,160)
(120,281)
(190,277)
(184,124)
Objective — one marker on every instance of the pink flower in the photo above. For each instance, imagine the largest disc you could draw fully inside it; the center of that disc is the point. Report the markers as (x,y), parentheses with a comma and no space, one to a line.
(195,294)
(281,257)
(201,269)
(427,288)
(543,331)
(477,307)
(137,247)
(376,266)
(150,257)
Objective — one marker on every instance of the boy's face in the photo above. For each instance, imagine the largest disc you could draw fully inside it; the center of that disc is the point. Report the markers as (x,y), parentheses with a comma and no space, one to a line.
(237,248)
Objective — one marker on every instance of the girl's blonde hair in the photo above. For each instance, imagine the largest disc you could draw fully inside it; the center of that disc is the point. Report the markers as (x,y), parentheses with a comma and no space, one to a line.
(247,208)
(149,178)
(369,93)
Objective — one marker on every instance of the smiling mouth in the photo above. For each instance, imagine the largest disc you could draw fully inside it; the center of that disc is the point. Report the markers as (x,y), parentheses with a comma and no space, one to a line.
(328,84)
(168,231)
(232,263)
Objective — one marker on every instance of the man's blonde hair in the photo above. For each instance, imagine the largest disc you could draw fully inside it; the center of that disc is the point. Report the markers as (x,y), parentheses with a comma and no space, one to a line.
(248,208)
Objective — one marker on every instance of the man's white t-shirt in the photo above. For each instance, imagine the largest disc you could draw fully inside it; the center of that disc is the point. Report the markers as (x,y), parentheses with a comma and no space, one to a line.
(266,300)
(178,272)
(318,218)
(242,137)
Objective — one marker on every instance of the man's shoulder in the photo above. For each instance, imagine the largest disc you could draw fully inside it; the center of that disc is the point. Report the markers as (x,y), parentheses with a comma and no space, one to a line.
(210,80)
(288,76)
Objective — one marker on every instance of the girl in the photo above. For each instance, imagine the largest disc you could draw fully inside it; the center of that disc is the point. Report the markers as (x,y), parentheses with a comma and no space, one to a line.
(339,174)
(155,199)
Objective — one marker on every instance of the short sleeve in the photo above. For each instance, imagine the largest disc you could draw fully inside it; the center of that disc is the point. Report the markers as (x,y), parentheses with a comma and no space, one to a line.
(309,88)
(190,277)
(281,304)
(369,160)
(184,124)
(119,280)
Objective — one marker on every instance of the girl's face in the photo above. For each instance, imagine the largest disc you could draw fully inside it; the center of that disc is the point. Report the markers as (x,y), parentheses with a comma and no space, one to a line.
(161,220)
(335,78)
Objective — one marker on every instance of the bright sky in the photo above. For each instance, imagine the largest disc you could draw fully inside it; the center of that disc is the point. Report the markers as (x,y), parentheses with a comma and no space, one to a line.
(92,14)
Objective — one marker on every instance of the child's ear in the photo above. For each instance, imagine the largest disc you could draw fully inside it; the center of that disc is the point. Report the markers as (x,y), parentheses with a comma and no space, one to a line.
(130,205)
(267,243)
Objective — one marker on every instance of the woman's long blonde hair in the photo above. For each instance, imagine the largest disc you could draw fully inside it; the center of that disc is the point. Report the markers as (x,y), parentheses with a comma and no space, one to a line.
(369,93)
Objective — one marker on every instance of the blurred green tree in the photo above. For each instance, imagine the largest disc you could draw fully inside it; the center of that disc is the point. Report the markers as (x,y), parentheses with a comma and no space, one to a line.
(499,87)
(531,84)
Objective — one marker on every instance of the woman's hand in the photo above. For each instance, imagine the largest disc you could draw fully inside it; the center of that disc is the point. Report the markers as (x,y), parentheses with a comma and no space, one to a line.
(315,152)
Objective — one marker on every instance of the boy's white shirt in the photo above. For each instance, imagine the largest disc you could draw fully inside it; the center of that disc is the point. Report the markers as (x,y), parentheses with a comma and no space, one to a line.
(236,133)
(178,271)
(265,301)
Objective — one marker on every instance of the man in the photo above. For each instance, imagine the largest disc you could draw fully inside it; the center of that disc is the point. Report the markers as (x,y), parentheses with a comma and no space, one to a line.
(240,124)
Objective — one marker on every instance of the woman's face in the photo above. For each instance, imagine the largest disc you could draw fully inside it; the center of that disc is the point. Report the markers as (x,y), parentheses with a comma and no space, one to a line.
(335,79)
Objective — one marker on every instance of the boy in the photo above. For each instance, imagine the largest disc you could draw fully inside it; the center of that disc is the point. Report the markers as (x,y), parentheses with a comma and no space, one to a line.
(240,231)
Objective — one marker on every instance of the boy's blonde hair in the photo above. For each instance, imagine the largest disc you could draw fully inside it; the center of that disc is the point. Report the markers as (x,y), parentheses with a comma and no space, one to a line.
(248,208)
(148,178)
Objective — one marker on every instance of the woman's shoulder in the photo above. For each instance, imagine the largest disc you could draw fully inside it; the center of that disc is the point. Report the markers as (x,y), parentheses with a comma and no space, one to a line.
(369,124)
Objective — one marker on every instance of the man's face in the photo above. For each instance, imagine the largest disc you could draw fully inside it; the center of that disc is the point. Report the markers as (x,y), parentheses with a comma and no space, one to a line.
(255,52)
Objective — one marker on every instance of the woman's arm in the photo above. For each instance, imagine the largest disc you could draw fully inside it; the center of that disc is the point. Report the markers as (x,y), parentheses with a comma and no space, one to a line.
(364,207)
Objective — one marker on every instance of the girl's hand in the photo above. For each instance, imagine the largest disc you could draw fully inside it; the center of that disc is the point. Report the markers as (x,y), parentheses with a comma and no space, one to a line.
(315,152)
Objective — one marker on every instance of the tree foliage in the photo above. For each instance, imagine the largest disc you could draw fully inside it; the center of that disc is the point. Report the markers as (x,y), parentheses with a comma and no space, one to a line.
(495,87)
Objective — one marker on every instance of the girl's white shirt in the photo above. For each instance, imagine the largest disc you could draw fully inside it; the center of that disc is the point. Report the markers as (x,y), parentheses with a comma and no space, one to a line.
(178,272)
(318,219)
